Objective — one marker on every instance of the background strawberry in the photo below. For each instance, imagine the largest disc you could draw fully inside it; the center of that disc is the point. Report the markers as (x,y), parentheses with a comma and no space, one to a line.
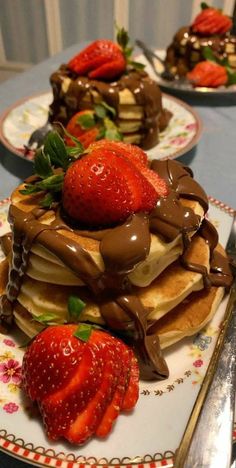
(101,59)
(83,127)
(211,21)
(93,392)
(208,74)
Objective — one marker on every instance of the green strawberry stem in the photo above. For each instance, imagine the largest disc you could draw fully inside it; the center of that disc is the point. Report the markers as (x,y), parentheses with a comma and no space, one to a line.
(123,40)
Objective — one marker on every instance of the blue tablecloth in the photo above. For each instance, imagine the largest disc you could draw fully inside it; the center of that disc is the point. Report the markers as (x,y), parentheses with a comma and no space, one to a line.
(213,160)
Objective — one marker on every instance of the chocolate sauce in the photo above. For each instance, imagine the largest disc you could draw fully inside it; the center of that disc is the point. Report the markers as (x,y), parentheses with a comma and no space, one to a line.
(146,93)
(6,243)
(187,49)
(122,248)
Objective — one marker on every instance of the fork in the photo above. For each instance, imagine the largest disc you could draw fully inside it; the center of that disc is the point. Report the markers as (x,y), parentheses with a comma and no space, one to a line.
(207,441)
(150,56)
(37,138)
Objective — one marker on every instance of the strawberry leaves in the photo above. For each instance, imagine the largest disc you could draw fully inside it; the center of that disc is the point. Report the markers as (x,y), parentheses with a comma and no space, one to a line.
(123,39)
(50,164)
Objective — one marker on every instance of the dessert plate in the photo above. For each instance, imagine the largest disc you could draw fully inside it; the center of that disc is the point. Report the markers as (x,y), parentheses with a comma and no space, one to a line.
(181,87)
(149,436)
(25,116)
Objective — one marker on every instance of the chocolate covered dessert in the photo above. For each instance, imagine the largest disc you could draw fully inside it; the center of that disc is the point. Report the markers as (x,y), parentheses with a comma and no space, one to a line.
(132,242)
(211,30)
(104,73)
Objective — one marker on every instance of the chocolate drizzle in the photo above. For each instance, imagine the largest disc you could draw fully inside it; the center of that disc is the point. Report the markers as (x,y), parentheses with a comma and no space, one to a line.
(122,248)
(146,93)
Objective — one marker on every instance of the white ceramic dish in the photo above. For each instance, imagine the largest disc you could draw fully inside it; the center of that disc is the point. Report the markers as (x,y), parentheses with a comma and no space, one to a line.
(25,116)
(150,435)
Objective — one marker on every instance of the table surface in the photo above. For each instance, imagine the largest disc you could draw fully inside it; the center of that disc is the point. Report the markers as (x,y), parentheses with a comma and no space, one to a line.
(213,160)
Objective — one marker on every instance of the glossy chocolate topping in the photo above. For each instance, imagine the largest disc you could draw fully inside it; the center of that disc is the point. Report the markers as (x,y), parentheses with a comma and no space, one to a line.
(146,93)
(187,48)
(122,248)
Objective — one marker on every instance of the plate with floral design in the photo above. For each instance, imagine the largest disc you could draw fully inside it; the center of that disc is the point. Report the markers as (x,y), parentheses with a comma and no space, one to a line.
(150,435)
(25,116)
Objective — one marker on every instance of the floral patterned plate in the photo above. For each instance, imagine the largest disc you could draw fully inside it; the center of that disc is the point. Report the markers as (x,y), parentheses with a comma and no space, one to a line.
(20,120)
(150,435)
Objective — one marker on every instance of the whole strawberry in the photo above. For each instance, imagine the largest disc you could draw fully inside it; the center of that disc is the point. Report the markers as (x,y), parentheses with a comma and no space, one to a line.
(208,74)
(103,59)
(81,381)
(105,186)
(83,127)
(211,21)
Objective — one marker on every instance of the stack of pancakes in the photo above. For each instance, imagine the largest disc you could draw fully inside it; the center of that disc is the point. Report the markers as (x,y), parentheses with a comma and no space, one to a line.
(186,50)
(135,97)
(169,283)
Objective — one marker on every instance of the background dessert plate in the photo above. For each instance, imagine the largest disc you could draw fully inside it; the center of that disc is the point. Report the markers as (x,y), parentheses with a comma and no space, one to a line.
(147,437)
(178,87)
(25,116)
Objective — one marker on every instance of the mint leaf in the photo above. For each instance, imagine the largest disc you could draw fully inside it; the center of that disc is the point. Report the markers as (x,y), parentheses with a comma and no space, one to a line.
(83,332)
(137,65)
(208,54)
(100,111)
(47,318)
(113,134)
(111,131)
(42,164)
(75,307)
(86,121)
(231,77)
(54,146)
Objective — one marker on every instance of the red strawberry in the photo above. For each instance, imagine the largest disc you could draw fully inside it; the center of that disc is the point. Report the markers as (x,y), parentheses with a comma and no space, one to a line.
(83,127)
(56,347)
(211,21)
(58,408)
(102,188)
(208,74)
(132,392)
(102,59)
(113,409)
(88,420)
(75,406)
(139,158)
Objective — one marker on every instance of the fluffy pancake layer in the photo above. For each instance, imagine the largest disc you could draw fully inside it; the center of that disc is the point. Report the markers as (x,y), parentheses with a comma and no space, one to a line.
(45,266)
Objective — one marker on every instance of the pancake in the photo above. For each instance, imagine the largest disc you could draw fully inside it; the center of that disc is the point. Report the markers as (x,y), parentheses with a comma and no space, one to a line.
(189,317)
(45,266)
(171,288)
(135,97)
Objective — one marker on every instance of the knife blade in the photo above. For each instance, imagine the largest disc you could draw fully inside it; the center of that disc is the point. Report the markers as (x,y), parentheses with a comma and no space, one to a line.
(207,441)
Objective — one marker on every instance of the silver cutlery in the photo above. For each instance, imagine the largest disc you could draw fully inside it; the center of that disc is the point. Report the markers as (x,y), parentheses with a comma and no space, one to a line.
(207,441)
(150,56)
(37,137)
